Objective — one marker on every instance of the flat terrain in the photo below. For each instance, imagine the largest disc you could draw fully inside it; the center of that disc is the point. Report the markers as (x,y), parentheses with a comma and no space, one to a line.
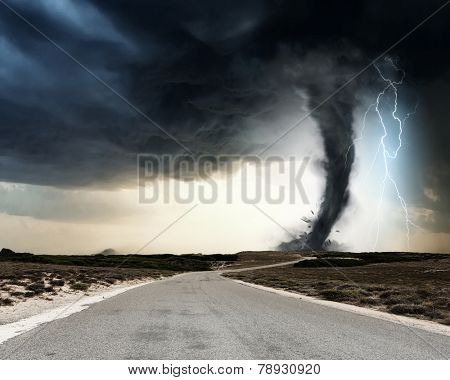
(180,263)
(20,281)
(24,276)
(206,316)
(418,288)
(249,259)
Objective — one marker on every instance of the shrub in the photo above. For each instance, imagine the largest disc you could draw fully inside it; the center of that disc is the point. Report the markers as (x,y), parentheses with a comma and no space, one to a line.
(345,286)
(15,281)
(424,293)
(36,287)
(446,321)
(6,301)
(370,301)
(407,309)
(433,313)
(16,294)
(395,300)
(80,286)
(339,295)
(389,293)
(57,282)
(375,288)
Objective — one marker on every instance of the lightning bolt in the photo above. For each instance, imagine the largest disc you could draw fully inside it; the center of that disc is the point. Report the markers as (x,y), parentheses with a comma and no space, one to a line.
(388,155)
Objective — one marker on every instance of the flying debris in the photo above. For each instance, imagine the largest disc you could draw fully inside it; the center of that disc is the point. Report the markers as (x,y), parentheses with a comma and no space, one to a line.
(327,243)
(305,219)
(312,212)
(338,231)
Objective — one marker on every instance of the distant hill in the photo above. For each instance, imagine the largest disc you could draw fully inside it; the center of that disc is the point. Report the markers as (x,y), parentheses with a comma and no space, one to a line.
(108,252)
(7,253)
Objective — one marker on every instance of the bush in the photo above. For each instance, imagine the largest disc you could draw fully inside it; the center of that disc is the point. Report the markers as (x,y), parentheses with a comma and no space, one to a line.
(389,293)
(434,314)
(424,293)
(57,282)
(375,288)
(6,301)
(339,295)
(80,286)
(407,309)
(16,294)
(15,281)
(36,287)
(370,301)
(395,300)
(446,321)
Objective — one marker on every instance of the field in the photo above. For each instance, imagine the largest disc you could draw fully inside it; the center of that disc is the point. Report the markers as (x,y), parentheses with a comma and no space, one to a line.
(250,259)
(20,281)
(190,262)
(410,284)
(416,285)
(24,275)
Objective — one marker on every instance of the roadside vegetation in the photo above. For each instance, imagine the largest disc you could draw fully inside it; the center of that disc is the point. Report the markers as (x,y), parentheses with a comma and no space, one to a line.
(190,262)
(416,285)
(24,275)
(21,281)
(247,259)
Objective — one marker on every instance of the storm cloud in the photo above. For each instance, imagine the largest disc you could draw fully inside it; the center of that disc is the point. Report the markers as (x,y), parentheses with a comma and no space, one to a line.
(206,71)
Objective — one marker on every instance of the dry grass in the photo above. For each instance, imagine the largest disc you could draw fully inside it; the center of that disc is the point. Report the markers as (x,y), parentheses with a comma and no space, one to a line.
(21,277)
(417,288)
(255,258)
(20,281)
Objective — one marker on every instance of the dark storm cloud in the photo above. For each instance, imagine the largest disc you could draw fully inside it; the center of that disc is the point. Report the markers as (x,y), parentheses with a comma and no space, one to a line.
(431,170)
(202,69)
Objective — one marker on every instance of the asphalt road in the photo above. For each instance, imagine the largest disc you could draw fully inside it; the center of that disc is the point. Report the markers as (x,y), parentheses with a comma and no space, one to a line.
(206,316)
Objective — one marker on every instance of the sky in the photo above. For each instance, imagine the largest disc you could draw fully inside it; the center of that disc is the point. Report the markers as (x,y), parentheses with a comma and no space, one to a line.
(88,85)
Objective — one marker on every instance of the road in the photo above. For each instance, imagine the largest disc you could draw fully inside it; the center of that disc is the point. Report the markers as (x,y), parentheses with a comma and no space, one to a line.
(206,316)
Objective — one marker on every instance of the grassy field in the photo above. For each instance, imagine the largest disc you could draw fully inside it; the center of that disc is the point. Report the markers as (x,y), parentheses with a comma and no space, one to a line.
(249,259)
(403,283)
(20,281)
(415,285)
(24,275)
(184,263)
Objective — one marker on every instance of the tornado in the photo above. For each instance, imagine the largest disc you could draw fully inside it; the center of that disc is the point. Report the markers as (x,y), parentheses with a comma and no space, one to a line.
(335,122)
